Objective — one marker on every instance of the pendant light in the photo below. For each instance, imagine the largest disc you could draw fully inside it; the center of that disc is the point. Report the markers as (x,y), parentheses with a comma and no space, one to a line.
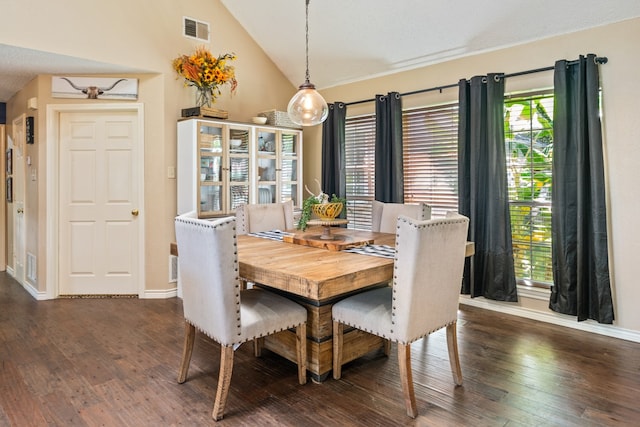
(307,107)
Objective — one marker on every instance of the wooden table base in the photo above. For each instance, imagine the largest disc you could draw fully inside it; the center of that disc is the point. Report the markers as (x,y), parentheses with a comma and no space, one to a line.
(320,340)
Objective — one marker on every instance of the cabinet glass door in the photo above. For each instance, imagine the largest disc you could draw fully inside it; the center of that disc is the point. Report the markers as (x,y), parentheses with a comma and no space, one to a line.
(266,193)
(210,199)
(239,166)
(239,181)
(289,167)
(238,140)
(210,155)
(267,166)
(290,144)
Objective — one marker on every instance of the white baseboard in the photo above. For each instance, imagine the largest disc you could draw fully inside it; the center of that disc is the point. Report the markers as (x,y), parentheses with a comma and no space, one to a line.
(38,295)
(552,317)
(160,293)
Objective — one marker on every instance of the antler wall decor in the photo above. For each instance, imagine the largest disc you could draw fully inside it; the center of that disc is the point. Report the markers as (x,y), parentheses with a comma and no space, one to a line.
(94,87)
(92,92)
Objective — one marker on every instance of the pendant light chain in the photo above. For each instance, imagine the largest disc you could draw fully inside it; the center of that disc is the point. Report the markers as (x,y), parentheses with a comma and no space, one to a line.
(306,29)
(307,107)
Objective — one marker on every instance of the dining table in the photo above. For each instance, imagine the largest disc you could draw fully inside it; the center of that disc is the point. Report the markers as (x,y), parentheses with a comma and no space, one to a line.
(317,273)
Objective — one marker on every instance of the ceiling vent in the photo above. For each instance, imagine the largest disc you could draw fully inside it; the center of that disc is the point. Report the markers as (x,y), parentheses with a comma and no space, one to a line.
(195,29)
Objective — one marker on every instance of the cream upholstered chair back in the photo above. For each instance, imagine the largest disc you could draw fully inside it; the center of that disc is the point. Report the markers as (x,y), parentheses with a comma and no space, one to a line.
(428,276)
(208,267)
(423,298)
(385,215)
(254,218)
(214,303)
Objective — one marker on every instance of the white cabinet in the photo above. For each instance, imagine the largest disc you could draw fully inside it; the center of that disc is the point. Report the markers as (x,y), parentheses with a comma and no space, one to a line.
(223,164)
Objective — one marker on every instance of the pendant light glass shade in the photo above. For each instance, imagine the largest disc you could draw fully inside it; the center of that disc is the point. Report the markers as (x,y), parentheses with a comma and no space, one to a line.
(307,107)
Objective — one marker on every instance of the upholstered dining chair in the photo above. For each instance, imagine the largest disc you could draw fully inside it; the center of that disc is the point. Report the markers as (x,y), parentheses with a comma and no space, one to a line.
(214,304)
(423,298)
(385,215)
(253,218)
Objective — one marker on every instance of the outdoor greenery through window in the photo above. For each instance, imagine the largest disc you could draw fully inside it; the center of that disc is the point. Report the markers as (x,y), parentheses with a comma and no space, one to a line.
(529,148)
(431,172)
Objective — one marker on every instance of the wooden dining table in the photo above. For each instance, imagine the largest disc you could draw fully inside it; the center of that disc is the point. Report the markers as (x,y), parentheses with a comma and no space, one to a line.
(317,277)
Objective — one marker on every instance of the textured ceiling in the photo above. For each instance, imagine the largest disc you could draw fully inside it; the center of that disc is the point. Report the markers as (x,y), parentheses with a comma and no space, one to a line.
(350,40)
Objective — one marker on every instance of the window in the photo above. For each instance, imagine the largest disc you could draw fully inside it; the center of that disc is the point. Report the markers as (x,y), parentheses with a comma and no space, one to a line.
(430,143)
(430,155)
(529,150)
(360,134)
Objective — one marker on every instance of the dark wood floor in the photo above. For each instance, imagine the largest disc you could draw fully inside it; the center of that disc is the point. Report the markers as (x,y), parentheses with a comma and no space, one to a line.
(113,362)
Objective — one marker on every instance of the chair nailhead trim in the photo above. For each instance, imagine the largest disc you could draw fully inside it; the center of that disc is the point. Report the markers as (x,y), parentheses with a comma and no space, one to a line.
(383,335)
(247,338)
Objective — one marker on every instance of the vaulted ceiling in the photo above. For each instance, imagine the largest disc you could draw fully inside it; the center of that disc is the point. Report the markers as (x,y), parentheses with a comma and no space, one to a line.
(350,40)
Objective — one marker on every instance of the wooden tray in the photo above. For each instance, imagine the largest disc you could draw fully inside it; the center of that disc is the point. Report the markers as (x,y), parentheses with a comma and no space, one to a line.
(338,243)
(205,112)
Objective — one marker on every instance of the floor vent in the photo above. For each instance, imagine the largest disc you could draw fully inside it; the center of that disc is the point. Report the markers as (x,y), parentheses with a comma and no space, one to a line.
(195,29)
(173,268)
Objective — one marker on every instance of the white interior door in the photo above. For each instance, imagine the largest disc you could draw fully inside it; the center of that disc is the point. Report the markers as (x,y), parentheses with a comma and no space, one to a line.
(99,203)
(18,185)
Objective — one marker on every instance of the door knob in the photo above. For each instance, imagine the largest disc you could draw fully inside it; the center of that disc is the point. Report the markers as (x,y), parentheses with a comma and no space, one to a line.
(135,212)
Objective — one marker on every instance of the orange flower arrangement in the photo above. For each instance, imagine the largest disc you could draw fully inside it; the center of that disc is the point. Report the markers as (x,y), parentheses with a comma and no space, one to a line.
(206,73)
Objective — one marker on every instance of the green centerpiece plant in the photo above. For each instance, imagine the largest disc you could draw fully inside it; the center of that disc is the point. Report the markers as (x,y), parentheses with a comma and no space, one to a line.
(319,199)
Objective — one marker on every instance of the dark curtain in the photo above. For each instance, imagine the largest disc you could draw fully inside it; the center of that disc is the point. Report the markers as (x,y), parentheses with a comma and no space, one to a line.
(333,156)
(579,221)
(389,174)
(482,192)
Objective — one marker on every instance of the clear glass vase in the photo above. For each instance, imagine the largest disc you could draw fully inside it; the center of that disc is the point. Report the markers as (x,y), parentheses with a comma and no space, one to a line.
(204,96)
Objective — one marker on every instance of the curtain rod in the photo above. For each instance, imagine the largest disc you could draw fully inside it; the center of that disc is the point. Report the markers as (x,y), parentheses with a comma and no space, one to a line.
(597,59)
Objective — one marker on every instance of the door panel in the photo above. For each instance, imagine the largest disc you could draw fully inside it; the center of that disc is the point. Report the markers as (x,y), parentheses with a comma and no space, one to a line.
(98,203)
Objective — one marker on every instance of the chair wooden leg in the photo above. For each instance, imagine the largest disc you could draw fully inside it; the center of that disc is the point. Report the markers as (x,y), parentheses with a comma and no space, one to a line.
(387,347)
(301,352)
(224,381)
(406,377)
(454,358)
(258,345)
(338,334)
(187,351)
